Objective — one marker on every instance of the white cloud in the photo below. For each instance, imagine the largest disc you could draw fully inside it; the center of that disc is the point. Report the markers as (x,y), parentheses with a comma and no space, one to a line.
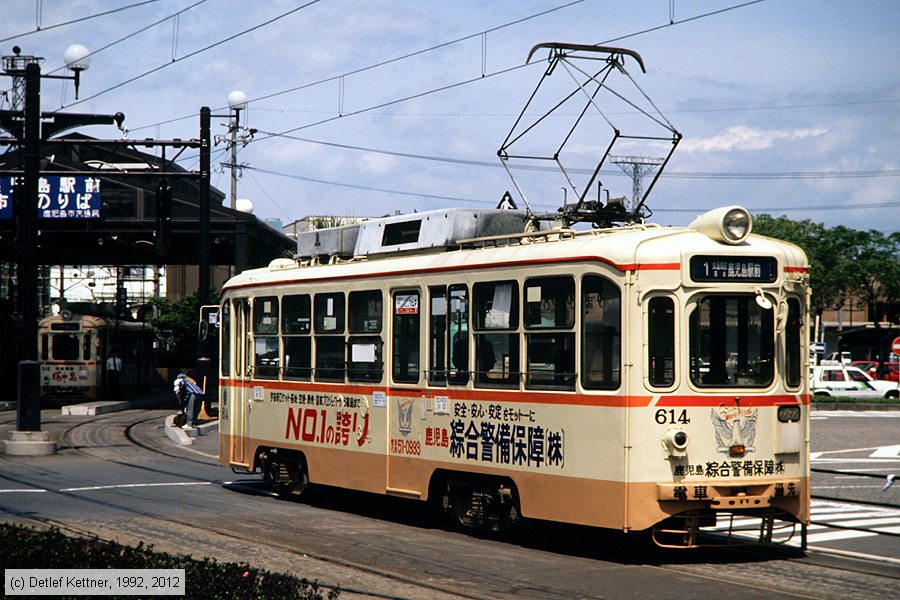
(747,138)
(380,164)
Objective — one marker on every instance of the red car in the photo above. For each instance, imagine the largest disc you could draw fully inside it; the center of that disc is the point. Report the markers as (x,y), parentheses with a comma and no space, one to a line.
(889,372)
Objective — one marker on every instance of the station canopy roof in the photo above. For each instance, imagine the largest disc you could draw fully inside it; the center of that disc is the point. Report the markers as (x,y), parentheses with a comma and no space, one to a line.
(126,231)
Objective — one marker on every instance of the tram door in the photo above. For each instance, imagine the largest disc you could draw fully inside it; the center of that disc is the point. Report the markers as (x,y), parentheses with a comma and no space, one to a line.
(242,391)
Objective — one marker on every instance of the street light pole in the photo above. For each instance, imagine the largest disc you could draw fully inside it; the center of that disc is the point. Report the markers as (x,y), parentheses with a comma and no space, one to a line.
(28,439)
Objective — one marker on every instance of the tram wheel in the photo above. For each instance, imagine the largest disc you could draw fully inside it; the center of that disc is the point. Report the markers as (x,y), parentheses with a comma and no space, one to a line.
(288,476)
(482,505)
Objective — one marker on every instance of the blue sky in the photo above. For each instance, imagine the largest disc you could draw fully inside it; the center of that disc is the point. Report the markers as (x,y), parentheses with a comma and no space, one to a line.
(786,107)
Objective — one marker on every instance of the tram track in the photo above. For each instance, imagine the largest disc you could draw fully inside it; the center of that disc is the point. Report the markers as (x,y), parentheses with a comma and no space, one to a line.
(188,530)
(261,532)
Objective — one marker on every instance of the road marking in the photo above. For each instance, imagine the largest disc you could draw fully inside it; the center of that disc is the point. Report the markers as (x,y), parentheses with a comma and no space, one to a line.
(825,514)
(22,491)
(132,485)
(886,452)
(830,536)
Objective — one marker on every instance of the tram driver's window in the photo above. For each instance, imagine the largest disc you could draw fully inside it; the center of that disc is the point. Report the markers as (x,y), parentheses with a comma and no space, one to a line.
(549,316)
(405,358)
(496,320)
(732,341)
(265,330)
(601,333)
(65,346)
(661,341)
(86,346)
(793,347)
(225,355)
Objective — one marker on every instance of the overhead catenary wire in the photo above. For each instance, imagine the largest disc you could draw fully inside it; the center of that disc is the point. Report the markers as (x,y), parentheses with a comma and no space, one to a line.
(174,15)
(78,20)
(195,52)
(870,205)
(382,62)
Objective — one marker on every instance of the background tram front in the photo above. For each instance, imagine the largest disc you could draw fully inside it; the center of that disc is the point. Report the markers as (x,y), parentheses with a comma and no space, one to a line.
(74,350)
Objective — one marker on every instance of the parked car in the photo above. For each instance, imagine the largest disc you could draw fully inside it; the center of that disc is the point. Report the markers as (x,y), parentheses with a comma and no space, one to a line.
(841,357)
(889,371)
(849,381)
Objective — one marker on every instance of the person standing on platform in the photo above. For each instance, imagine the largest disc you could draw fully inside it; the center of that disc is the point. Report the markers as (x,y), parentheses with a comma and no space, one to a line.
(113,376)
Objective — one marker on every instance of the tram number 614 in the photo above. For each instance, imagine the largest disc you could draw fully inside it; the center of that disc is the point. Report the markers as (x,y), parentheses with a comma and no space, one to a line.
(669,416)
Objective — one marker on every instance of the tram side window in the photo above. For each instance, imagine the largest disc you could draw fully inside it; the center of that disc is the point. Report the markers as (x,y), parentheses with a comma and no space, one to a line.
(86,346)
(661,341)
(330,313)
(296,326)
(242,336)
(406,337)
(458,334)
(496,319)
(265,330)
(225,358)
(550,305)
(601,333)
(793,345)
(364,352)
(437,335)
(732,340)
(329,319)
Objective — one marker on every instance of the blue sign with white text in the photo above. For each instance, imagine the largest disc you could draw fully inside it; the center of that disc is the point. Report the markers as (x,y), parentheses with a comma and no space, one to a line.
(59,197)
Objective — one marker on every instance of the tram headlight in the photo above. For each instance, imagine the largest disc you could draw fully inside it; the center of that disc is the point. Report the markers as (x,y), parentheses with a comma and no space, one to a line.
(676,442)
(731,224)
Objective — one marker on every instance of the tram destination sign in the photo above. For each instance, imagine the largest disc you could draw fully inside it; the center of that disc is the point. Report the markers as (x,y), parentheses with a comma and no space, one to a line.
(753,269)
(59,197)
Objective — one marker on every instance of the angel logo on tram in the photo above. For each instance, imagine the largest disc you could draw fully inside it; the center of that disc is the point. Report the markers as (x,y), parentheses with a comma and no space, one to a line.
(639,378)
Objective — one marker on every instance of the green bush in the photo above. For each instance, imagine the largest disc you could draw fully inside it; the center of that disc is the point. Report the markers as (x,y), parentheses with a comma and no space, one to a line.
(28,548)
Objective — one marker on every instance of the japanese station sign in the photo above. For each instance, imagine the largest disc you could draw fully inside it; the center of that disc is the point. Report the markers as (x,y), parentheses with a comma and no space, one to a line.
(59,197)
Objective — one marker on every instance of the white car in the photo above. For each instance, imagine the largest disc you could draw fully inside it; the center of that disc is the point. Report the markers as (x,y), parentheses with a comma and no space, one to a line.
(841,380)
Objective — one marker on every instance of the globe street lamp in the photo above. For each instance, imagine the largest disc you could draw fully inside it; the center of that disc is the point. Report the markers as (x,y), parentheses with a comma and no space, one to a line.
(78,59)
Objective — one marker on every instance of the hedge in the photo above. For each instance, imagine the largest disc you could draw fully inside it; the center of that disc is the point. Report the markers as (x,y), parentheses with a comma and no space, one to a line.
(28,548)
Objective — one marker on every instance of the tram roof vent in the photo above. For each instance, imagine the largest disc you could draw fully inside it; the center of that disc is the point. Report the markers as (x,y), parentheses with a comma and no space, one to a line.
(335,241)
(435,230)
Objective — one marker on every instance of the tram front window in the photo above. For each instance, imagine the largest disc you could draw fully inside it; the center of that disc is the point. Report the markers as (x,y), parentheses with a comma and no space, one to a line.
(65,346)
(732,342)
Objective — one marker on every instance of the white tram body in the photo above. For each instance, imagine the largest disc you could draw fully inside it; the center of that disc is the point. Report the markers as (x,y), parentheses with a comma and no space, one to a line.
(73,352)
(630,378)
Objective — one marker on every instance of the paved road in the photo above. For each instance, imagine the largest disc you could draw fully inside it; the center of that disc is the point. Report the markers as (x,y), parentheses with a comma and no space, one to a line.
(119,477)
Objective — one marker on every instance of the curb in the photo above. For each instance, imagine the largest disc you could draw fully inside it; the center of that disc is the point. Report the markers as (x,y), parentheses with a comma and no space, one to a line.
(184,437)
(176,433)
(108,406)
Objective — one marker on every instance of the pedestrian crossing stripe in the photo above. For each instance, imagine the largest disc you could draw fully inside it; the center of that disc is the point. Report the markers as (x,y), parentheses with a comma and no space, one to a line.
(822,514)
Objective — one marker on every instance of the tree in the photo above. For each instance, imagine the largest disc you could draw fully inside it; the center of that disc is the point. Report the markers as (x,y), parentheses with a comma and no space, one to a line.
(844,262)
(176,324)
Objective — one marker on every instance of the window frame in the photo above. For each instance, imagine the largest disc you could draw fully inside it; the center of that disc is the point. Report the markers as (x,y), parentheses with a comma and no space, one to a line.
(612,366)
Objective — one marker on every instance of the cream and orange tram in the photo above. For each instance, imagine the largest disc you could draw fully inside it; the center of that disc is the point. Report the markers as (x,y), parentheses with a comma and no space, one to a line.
(635,378)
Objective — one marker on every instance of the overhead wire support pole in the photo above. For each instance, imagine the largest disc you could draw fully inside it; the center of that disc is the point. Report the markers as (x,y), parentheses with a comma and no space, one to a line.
(29,392)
